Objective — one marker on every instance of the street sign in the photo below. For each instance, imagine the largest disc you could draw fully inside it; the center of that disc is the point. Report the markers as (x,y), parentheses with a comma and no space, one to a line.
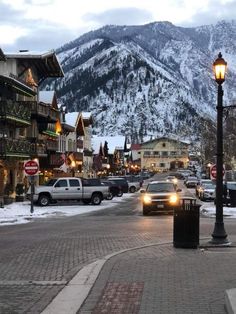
(31,167)
(213,172)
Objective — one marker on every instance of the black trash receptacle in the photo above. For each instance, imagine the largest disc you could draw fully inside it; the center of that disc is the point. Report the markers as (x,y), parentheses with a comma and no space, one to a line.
(186,224)
(232,195)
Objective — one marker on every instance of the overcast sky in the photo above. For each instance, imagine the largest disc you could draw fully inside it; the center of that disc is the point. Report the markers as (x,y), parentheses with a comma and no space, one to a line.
(42,25)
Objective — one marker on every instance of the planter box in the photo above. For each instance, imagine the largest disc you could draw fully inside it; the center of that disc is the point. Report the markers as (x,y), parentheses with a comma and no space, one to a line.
(20,198)
(8,200)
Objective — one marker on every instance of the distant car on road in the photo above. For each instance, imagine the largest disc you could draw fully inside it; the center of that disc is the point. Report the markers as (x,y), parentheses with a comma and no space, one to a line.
(115,189)
(123,183)
(172,179)
(207,191)
(200,184)
(191,182)
(160,196)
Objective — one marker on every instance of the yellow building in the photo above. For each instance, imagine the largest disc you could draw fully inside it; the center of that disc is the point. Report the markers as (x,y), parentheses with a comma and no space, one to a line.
(164,154)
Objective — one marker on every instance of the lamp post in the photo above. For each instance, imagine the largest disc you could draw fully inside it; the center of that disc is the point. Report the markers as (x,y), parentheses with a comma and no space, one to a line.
(219,236)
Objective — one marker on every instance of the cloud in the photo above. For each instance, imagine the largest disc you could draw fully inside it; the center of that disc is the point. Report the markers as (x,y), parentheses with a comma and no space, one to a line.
(9,15)
(119,16)
(215,12)
(41,38)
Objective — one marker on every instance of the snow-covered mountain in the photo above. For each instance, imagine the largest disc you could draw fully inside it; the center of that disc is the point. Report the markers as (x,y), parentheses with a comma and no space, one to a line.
(154,79)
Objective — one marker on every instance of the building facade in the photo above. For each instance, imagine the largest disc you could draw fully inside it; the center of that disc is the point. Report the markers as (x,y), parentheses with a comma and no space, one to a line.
(164,154)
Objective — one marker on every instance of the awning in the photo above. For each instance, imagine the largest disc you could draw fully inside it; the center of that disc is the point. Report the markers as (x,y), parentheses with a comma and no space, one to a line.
(50,133)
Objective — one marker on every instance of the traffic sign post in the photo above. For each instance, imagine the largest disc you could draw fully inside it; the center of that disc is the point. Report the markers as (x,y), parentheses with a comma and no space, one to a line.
(31,168)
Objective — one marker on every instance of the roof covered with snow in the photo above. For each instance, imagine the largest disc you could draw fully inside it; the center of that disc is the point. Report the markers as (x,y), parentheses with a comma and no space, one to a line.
(71,118)
(46,96)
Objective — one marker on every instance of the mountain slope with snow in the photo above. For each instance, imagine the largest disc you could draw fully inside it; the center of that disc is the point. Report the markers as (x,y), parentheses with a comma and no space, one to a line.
(148,80)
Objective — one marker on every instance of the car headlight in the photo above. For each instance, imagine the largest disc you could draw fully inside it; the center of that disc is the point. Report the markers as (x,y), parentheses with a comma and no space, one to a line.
(147,199)
(175,180)
(173,199)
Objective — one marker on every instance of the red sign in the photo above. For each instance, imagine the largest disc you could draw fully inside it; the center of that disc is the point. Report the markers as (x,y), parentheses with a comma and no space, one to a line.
(31,167)
(213,172)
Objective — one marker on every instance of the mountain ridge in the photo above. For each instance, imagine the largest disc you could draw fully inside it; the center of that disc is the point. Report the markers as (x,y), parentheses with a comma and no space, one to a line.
(146,80)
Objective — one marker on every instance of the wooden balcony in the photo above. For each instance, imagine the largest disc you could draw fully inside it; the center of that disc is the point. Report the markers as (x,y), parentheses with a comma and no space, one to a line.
(16,148)
(40,150)
(43,113)
(52,145)
(17,112)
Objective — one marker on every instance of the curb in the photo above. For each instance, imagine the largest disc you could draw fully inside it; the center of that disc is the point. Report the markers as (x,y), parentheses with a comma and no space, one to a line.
(70,299)
(230,301)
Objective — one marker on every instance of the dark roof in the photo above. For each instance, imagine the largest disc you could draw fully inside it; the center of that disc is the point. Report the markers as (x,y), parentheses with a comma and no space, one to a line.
(135,146)
(17,86)
(46,64)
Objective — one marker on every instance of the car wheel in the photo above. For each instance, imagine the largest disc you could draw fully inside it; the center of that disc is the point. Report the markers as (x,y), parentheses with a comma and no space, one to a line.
(109,197)
(96,199)
(86,202)
(132,189)
(44,200)
(120,193)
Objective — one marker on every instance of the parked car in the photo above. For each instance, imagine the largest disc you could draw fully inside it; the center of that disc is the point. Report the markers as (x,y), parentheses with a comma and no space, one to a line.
(191,182)
(115,188)
(200,184)
(160,196)
(207,191)
(69,188)
(123,183)
(133,182)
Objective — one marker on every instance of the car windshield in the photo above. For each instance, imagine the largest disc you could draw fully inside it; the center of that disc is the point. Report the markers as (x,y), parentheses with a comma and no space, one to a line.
(50,182)
(209,186)
(161,187)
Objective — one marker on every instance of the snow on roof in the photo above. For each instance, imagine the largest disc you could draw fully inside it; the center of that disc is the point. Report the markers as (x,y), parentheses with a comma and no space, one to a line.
(71,118)
(113,142)
(86,115)
(46,96)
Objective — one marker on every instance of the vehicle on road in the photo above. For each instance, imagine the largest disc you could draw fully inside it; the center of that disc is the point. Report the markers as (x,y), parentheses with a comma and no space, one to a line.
(200,184)
(160,196)
(207,191)
(122,182)
(191,182)
(115,189)
(133,182)
(69,188)
(173,179)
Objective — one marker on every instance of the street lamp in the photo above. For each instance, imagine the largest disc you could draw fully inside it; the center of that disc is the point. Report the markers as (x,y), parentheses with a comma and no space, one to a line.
(219,236)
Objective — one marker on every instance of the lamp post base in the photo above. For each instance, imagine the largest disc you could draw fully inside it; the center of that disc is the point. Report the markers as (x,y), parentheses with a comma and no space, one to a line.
(219,236)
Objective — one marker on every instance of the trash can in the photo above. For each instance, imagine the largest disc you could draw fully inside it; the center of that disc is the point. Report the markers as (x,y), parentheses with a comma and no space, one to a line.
(232,195)
(186,224)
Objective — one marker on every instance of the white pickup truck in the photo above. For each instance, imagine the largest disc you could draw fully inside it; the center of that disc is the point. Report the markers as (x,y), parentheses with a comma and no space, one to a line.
(70,188)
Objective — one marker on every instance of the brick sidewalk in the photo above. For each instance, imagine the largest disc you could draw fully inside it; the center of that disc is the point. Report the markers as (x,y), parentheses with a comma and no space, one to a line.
(162,279)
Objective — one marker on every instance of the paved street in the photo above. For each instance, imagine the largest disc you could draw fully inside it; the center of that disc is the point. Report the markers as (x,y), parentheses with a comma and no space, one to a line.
(39,258)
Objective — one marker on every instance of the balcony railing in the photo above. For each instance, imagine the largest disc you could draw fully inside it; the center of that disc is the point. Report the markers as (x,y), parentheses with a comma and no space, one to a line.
(44,112)
(17,111)
(52,145)
(16,148)
(40,150)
